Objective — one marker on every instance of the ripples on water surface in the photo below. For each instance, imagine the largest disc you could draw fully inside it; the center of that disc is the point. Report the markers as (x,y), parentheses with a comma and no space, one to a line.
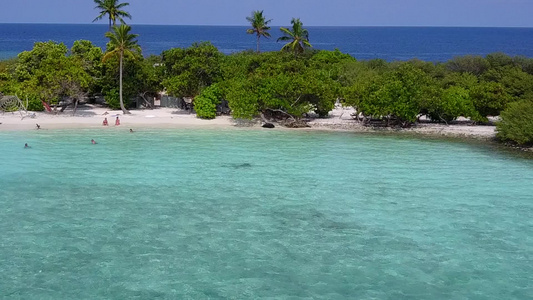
(249,214)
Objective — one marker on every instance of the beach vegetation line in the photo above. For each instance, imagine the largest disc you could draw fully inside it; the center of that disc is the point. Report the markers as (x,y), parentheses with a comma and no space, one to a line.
(278,85)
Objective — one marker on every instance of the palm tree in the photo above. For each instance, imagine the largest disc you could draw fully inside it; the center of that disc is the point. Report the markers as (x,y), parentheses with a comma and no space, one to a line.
(112,8)
(298,37)
(121,43)
(259,25)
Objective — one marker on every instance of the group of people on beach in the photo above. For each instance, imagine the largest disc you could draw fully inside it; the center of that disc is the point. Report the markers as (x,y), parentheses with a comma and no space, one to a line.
(105,123)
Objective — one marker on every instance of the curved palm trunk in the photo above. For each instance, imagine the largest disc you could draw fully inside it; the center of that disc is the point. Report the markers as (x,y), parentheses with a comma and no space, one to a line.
(110,23)
(124,110)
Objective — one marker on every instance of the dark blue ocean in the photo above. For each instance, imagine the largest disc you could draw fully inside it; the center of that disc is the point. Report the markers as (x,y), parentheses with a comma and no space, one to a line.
(389,43)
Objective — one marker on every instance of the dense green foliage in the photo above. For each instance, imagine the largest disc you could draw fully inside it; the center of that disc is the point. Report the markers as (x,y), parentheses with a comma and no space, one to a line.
(280,82)
(472,87)
(46,74)
(516,123)
(51,73)
(188,71)
(141,77)
(206,103)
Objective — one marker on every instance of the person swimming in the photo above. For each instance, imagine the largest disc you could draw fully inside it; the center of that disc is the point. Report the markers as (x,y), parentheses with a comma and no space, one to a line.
(26,145)
(131,130)
(93,141)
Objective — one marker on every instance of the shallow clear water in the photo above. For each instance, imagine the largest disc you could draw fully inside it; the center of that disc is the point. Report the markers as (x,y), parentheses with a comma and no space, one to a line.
(199,214)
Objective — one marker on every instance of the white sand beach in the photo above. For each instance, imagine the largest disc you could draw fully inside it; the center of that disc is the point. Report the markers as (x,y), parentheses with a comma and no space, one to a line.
(88,116)
(341,119)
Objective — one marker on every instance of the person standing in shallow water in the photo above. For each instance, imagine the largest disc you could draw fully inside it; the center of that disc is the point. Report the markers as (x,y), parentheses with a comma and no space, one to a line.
(117,121)
(93,142)
(104,123)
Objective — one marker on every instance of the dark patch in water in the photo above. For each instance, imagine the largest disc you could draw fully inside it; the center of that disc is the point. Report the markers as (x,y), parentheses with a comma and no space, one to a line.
(238,165)
(311,219)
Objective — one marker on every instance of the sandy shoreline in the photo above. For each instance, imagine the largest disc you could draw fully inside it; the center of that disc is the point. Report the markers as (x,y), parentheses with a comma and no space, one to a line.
(92,117)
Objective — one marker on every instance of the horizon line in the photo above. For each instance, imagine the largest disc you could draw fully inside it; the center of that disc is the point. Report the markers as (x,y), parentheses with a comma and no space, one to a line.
(229,25)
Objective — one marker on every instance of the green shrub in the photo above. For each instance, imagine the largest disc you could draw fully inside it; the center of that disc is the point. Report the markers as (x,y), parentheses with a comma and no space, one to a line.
(453,102)
(112,98)
(489,98)
(242,99)
(34,104)
(516,123)
(205,104)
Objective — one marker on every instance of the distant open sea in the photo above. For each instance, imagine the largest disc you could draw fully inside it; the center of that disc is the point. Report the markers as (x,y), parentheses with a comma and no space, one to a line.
(389,43)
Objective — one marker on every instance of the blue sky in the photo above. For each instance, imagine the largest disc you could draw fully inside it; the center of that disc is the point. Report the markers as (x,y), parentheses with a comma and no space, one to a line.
(497,13)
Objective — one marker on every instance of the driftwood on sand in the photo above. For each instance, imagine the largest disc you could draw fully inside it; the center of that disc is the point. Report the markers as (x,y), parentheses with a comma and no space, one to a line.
(283,118)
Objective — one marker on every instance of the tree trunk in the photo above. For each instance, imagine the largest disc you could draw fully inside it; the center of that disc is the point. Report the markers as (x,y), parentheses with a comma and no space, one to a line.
(64,107)
(258,43)
(283,112)
(75,106)
(262,115)
(109,23)
(443,120)
(124,110)
(147,103)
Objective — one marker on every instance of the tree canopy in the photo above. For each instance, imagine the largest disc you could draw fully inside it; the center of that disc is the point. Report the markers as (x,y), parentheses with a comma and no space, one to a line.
(298,37)
(113,10)
(259,26)
(188,71)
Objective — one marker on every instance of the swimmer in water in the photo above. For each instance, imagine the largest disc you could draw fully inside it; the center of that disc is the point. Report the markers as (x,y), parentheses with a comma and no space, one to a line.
(131,130)
(93,142)
(26,145)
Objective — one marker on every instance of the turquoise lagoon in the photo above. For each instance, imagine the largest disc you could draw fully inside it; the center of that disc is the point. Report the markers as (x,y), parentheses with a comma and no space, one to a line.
(244,214)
